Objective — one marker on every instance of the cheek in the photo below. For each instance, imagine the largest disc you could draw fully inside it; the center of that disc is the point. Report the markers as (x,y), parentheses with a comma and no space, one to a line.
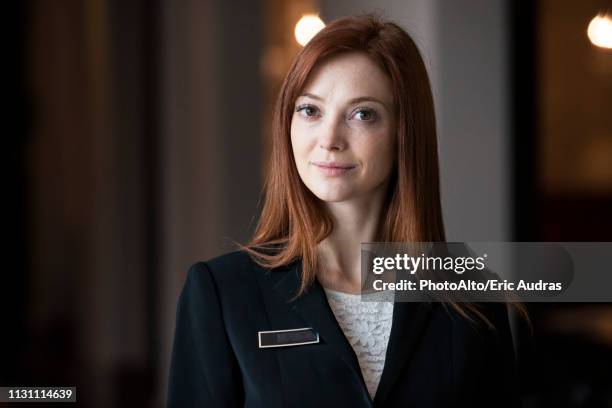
(378,154)
(301,144)
(295,140)
(300,150)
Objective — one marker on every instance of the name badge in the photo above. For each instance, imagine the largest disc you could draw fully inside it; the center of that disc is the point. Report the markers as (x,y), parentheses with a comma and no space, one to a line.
(290,337)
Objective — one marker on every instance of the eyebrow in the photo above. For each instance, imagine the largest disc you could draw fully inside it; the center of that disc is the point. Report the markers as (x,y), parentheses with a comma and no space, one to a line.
(352,101)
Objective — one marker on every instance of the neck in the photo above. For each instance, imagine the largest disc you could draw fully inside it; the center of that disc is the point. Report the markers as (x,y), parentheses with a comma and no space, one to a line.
(355,221)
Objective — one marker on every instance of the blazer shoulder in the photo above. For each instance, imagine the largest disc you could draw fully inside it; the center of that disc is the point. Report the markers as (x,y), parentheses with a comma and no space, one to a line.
(230,261)
(495,312)
(227,269)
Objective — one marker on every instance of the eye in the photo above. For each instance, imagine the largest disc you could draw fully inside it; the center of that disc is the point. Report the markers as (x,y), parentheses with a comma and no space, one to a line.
(307,111)
(365,114)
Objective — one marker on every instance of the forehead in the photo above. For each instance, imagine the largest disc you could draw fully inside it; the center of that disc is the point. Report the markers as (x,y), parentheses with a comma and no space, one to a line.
(348,75)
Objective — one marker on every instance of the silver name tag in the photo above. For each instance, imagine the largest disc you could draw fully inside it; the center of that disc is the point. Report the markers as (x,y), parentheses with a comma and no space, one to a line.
(290,337)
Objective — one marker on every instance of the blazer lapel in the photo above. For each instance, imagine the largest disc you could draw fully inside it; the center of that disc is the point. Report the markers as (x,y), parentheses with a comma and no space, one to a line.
(409,321)
(313,308)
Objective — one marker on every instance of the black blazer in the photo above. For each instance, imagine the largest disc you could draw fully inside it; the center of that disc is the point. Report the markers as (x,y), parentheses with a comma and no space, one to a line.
(435,358)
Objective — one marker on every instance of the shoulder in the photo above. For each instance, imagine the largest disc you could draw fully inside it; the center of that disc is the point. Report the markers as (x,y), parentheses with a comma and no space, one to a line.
(485,355)
(231,273)
(230,262)
(225,262)
(486,345)
(496,313)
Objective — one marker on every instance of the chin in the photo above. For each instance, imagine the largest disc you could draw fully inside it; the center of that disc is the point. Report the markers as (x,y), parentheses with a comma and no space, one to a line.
(332,196)
(333,199)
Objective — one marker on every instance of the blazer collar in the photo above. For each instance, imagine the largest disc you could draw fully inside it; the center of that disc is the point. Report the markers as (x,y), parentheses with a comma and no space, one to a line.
(409,321)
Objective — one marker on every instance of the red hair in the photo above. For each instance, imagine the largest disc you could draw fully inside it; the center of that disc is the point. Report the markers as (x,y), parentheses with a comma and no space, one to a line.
(292,220)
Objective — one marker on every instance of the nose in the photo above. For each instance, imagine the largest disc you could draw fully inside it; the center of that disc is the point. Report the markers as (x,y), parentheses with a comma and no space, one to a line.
(332,137)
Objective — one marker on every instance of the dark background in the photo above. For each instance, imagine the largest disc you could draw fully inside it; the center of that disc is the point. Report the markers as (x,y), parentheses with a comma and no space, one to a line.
(136,142)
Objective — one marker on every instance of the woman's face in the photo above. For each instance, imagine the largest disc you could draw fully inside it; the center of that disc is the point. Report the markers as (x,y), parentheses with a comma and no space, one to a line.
(343,129)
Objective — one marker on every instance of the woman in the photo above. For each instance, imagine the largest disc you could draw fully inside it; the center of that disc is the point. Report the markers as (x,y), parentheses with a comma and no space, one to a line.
(277,323)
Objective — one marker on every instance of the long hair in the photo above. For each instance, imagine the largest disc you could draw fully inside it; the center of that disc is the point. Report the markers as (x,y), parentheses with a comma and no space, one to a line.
(292,220)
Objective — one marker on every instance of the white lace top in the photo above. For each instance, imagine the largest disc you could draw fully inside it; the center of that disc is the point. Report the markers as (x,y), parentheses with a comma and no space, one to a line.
(366,324)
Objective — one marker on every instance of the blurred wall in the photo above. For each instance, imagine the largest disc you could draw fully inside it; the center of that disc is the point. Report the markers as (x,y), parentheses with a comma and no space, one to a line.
(87,261)
(211,139)
(575,102)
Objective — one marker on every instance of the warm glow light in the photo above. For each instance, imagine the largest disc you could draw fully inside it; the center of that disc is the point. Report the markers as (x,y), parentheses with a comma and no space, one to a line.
(308,26)
(600,31)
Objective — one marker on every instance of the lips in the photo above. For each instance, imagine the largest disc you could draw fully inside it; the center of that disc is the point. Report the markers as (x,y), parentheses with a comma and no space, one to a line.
(334,168)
